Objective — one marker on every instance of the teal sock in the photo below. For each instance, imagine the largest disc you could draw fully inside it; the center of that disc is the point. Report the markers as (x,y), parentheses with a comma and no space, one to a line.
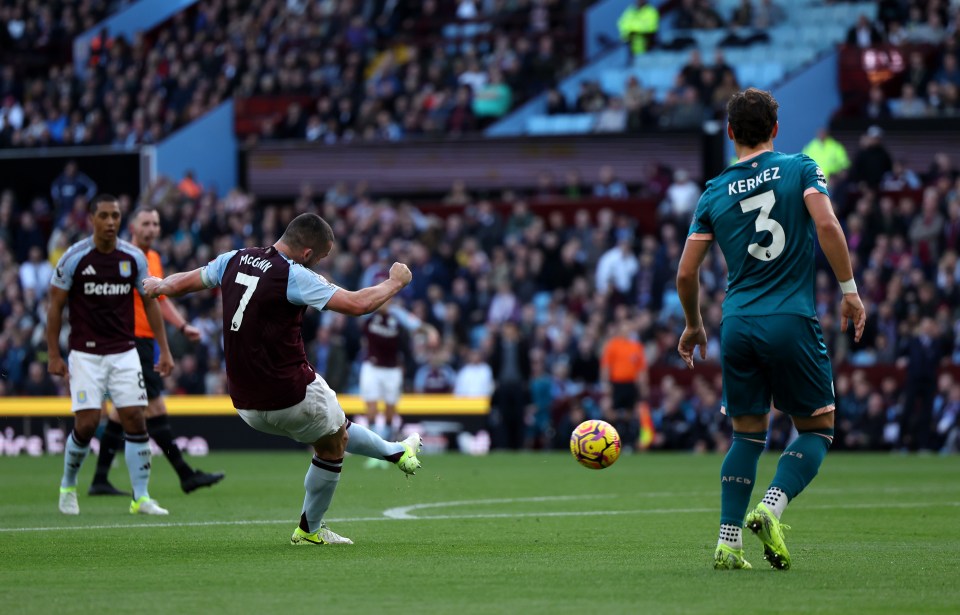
(801,461)
(320,484)
(737,475)
(136,453)
(73,455)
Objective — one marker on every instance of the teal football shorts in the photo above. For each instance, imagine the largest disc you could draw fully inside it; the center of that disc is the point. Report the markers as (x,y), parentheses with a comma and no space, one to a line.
(779,358)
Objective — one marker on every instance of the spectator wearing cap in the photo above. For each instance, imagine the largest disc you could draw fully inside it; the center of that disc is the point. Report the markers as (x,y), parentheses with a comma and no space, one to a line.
(828,153)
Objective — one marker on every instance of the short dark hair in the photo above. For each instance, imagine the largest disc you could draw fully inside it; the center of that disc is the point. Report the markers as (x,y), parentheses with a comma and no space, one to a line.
(143,209)
(752,114)
(308,231)
(103,197)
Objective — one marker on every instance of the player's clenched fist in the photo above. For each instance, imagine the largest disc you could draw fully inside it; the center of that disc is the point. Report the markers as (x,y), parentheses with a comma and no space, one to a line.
(151,286)
(400,273)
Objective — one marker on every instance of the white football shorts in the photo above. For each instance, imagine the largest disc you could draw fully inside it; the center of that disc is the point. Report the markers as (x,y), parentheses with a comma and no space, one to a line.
(318,415)
(380,383)
(93,376)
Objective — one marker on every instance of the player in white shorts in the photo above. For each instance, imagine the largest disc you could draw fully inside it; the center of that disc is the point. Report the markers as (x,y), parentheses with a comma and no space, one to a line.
(96,278)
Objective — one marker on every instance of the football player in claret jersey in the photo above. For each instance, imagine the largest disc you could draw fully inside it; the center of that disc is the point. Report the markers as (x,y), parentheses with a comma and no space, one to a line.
(273,387)
(97,278)
(763,211)
(144,229)
(381,374)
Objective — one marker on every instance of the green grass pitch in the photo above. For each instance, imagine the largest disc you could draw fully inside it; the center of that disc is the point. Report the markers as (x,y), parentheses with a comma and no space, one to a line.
(507,533)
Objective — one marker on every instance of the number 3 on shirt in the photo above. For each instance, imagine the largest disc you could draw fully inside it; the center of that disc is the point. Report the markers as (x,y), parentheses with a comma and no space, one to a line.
(251,283)
(764,202)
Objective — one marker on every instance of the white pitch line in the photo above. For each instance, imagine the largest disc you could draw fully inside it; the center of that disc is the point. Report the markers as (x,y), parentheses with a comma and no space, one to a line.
(403,512)
(588,513)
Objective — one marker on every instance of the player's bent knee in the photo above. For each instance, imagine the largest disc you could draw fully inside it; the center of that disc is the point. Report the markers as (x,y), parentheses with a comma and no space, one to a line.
(85,423)
(810,423)
(133,419)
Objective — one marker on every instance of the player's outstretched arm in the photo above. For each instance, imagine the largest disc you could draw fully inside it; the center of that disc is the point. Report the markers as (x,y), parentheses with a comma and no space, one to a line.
(165,363)
(834,246)
(367,300)
(688,288)
(174,285)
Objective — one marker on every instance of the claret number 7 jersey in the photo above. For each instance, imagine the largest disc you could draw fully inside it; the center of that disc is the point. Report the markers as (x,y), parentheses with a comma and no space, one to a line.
(756,213)
(264,297)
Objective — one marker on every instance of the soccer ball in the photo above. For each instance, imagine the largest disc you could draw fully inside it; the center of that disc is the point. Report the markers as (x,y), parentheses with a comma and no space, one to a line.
(595,444)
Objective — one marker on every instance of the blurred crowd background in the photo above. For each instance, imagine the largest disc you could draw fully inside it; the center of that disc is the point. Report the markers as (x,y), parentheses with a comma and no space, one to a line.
(570,290)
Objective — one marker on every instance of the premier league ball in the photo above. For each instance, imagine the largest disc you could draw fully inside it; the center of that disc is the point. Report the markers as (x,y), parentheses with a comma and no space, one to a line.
(595,444)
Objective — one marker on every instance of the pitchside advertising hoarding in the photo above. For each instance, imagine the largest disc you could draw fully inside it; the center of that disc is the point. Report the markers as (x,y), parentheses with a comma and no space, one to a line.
(38,426)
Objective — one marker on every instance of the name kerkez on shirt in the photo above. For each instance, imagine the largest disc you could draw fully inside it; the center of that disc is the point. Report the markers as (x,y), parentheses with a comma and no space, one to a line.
(746,185)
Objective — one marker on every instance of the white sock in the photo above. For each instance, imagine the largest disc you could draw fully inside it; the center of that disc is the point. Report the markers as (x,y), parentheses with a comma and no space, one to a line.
(137,455)
(731,535)
(364,442)
(320,484)
(776,500)
(73,456)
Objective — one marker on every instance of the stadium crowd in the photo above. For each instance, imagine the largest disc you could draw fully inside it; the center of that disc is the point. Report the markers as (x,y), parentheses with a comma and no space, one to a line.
(364,70)
(528,306)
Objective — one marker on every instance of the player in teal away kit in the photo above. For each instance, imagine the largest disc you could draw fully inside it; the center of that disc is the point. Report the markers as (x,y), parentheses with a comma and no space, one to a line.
(763,212)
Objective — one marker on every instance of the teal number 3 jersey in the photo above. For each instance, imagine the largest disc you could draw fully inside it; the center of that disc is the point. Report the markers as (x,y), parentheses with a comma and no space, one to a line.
(756,213)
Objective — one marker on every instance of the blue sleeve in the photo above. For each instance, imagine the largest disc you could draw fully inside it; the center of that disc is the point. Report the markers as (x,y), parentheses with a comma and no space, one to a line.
(811,176)
(306,287)
(407,319)
(212,273)
(701,225)
(143,269)
(66,266)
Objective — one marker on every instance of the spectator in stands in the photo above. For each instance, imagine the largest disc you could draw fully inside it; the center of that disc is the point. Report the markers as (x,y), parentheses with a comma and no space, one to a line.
(475,378)
(613,118)
(742,15)
(768,15)
(681,200)
(829,154)
(617,269)
(39,383)
(899,178)
(556,103)
(510,363)
(873,160)
(877,107)
(948,418)
(864,34)
(921,358)
(608,186)
(638,26)
(637,101)
(949,72)
(35,273)
(68,186)
(492,100)
(437,376)
(683,111)
(910,105)
(917,73)
(590,98)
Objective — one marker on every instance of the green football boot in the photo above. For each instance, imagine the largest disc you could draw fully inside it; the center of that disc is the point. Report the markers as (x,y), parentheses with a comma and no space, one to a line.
(769,530)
